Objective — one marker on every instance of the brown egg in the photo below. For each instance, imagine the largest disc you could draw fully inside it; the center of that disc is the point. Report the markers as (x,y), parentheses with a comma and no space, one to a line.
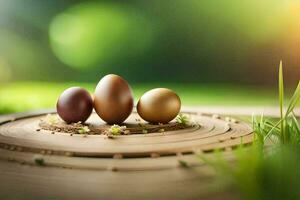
(113,99)
(74,104)
(159,105)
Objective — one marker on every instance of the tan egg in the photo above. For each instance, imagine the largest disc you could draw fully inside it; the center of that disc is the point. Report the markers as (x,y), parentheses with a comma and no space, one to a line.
(113,100)
(160,105)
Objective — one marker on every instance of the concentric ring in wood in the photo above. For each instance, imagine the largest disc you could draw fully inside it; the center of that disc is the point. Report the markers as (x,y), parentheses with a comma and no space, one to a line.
(20,141)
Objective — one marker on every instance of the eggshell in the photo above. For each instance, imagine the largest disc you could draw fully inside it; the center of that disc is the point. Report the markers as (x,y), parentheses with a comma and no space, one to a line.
(74,104)
(160,105)
(113,100)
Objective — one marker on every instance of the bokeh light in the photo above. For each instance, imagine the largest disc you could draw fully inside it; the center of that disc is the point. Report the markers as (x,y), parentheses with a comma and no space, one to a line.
(91,34)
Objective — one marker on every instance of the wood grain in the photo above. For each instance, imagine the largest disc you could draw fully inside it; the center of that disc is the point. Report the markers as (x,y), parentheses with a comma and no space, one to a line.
(139,166)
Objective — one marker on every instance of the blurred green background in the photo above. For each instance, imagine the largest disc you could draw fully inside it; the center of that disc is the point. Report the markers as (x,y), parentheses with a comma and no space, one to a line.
(210,52)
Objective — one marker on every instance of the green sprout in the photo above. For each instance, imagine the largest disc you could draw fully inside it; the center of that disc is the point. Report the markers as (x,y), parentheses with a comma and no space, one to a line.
(116,129)
(52,119)
(145,131)
(182,119)
(161,130)
(83,130)
(39,160)
(144,128)
(183,163)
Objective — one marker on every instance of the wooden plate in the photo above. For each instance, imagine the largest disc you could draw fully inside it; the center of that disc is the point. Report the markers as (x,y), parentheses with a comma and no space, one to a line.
(22,140)
(42,165)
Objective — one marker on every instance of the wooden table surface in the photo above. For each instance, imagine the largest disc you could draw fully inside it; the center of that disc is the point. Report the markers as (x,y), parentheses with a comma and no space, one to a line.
(141,177)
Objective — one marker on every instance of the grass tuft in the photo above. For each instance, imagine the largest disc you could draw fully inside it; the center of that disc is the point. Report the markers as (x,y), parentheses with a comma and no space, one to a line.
(267,173)
(286,129)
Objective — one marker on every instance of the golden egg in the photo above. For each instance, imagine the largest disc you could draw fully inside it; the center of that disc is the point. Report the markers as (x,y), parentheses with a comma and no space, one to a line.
(160,105)
(113,100)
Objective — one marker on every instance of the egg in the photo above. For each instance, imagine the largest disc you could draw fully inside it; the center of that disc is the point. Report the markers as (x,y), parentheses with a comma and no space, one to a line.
(113,100)
(160,105)
(74,104)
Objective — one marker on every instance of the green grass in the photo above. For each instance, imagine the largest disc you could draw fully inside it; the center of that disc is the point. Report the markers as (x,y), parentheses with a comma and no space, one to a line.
(24,96)
(286,130)
(261,173)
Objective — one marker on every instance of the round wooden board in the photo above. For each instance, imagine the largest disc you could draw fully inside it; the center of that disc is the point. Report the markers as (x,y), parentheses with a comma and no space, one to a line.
(96,167)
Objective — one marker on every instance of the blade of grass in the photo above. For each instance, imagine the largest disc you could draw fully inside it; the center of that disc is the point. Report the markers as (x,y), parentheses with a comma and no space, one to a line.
(294,100)
(262,120)
(274,127)
(296,123)
(271,126)
(253,121)
(281,96)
